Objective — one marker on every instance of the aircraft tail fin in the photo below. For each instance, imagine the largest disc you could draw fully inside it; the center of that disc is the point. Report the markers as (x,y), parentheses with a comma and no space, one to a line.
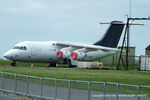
(112,35)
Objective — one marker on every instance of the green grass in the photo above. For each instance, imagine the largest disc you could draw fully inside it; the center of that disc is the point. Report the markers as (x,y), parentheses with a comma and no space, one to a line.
(125,77)
(24,64)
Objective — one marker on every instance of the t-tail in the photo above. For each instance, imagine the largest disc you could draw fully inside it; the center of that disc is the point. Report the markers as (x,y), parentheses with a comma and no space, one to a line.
(112,35)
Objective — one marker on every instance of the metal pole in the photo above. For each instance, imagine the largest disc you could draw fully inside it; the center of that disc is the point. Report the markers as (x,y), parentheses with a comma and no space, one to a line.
(138,93)
(16,83)
(69,86)
(127,51)
(130,9)
(89,88)
(41,90)
(55,88)
(2,81)
(104,91)
(117,94)
(120,57)
(27,89)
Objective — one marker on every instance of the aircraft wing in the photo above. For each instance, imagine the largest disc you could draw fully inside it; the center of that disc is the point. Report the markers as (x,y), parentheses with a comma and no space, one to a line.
(88,47)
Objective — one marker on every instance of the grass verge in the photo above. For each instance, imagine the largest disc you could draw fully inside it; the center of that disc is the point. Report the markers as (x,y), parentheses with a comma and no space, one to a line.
(125,77)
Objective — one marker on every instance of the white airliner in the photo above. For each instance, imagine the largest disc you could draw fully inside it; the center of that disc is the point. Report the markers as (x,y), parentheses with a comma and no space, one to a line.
(64,52)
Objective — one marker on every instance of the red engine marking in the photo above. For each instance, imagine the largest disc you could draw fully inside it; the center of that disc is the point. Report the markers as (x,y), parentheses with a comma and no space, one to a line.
(74,55)
(59,54)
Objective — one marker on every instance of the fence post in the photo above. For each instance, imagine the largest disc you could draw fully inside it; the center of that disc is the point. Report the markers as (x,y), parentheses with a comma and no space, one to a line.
(69,86)
(117,94)
(41,90)
(55,88)
(2,81)
(105,90)
(138,92)
(89,88)
(15,83)
(27,89)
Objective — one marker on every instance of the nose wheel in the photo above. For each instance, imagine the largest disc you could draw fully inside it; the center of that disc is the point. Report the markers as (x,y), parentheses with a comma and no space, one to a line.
(13,63)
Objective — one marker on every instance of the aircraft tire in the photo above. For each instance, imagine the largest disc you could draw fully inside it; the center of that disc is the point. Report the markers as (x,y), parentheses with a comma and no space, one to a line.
(52,65)
(13,64)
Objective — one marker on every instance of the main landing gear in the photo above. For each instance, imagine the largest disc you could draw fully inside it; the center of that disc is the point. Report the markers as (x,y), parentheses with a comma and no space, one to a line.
(69,63)
(52,65)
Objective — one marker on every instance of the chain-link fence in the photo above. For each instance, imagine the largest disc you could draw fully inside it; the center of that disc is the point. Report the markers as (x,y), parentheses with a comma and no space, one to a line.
(61,89)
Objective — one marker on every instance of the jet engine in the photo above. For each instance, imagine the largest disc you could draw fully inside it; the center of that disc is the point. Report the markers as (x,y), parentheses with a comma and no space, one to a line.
(78,55)
(63,54)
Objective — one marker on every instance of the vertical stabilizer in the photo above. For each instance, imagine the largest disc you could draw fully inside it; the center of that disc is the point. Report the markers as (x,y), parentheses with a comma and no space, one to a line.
(112,35)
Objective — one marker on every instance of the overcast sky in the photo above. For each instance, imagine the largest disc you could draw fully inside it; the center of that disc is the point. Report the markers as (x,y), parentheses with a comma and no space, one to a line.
(69,20)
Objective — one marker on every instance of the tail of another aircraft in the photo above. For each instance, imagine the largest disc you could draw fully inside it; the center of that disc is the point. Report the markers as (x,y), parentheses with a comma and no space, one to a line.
(112,35)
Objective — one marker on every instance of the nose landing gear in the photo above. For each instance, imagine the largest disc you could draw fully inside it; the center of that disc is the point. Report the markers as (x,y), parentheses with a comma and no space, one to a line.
(13,63)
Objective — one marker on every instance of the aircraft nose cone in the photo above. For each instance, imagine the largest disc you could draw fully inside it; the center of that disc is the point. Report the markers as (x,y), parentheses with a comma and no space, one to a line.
(8,55)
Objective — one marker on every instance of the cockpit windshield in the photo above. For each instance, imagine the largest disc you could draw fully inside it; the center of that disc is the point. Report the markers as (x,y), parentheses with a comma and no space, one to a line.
(20,47)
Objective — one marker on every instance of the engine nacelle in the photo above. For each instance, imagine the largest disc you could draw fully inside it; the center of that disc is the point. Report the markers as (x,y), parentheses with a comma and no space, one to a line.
(78,55)
(63,54)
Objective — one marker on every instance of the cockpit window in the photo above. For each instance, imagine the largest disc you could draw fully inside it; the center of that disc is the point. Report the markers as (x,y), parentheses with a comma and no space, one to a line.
(20,47)
(24,48)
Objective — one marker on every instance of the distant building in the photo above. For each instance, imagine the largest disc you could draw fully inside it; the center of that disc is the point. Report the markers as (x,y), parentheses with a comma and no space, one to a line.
(113,59)
(147,50)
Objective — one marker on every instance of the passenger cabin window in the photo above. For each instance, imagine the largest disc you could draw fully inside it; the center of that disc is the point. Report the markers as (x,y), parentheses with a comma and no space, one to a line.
(20,47)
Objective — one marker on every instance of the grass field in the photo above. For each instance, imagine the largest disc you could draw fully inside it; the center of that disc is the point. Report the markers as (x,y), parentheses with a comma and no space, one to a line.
(125,77)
